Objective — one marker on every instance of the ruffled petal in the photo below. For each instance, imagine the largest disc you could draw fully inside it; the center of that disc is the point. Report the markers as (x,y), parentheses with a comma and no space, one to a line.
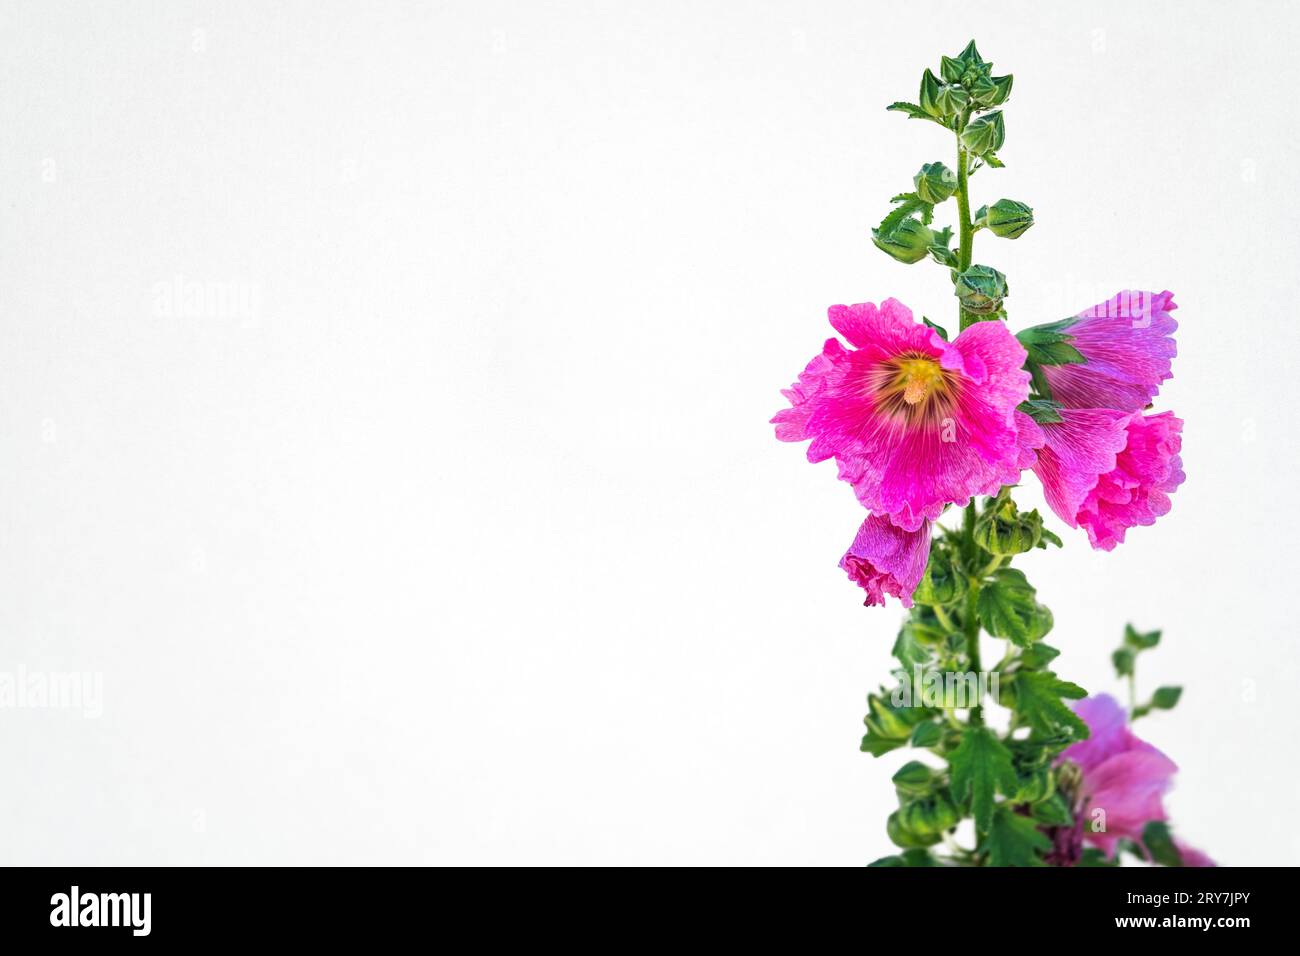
(1078,451)
(1136,491)
(1128,344)
(884,559)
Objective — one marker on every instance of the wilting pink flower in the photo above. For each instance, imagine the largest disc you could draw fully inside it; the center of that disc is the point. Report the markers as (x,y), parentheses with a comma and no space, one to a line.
(1075,453)
(885,559)
(1136,491)
(1124,778)
(1128,344)
(914,422)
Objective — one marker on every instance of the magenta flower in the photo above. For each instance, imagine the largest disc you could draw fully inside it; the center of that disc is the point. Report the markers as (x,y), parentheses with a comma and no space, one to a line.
(885,559)
(1124,777)
(1075,453)
(1128,344)
(1136,491)
(913,422)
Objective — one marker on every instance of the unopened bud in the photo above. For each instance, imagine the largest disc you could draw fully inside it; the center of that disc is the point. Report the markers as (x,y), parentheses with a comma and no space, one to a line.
(935,183)
(909,241)
(981,290)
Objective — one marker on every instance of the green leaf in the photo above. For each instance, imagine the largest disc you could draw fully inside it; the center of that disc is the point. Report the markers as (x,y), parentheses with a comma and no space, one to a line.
(1094,857)
(981,765)
(1050,345)
(1139,641)
(1160,844)
(1014,840)
(913,111)
(1038,703)
(1038,656)
(1007,608)
(927,734)
(1054,811)
(1166,698)
(1124,660)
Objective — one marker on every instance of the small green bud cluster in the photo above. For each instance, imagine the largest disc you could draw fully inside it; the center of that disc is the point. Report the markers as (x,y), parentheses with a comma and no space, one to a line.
(961,97)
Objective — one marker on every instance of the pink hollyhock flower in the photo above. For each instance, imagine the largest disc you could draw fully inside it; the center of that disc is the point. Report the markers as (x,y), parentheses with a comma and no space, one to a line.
(1136,491)
(1124,779)
(1128,343)
(885,559)
(1075,452)
(914,422)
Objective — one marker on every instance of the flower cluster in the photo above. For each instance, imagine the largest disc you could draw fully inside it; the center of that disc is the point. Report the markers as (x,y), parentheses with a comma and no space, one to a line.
(918,422)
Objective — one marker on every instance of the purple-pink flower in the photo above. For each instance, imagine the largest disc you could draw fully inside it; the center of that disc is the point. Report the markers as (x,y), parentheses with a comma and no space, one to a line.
(1123,778)
(1136,491)
(914,422)
(885,559)
(1128,344)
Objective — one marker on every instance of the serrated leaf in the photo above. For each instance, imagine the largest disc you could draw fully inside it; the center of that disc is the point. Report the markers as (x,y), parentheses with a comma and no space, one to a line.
(981,766)
(908,203)
(1007,608)
(913,111)
(1038,703)
(1014,840)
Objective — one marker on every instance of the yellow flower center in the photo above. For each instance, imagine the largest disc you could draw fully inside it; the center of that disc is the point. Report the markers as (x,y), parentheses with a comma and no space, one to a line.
(913,388)
(919,378)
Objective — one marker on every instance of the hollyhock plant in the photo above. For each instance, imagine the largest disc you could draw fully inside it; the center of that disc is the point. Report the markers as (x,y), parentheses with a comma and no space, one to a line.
(923,424)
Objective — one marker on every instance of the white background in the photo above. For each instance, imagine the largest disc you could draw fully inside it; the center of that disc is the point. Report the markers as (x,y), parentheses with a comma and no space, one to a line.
(465,539)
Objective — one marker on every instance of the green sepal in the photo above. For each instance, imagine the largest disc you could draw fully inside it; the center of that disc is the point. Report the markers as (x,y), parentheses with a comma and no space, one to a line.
(943,333)
(901,836)
(1042,410)
(1050,345)
(929,95)
(980,289)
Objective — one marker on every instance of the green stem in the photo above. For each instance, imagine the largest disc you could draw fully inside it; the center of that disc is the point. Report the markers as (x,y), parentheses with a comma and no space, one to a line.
(971,619)
(965,229)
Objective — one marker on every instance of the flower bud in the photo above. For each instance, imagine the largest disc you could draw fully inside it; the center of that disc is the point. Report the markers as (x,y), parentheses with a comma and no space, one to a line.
(991,90)
(1003,530)
(914,778)
(981,290)
(909,241)
(929,816)
(941,583)
(890,722)
(984,135)
(951,99)
(900,835)
(935,183)
(1008,218)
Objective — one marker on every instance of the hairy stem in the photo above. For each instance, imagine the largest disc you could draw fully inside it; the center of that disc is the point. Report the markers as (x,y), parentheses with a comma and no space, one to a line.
(965,229)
